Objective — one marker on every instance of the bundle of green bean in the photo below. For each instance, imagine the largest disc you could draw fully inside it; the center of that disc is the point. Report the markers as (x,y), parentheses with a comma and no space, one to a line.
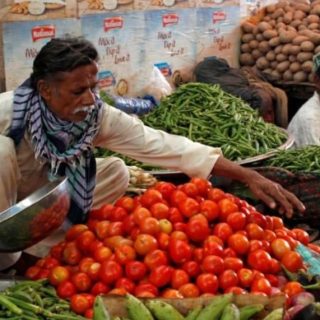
(305,159)
(34,300)
(206,114)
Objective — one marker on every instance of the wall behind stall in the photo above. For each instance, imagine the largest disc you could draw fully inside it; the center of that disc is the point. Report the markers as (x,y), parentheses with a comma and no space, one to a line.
(132,36)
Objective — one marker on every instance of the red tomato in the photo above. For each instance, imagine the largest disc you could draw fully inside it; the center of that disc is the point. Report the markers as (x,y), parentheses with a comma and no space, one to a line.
(171,294)
(85,264)
(84,240)
(301,235)
(261,285)
(203,185)
(180,226)
(190,189)
(79,303)
(179,278)
(192,268)
(314,247)
(179,235)
(150,225)
(236,220)
(33,272)
(239,243)
(279,247)
(58,274)
(292,288)
(99,288)
(255,245)
(189,290)
(207,283)
(140,214)
(245,277)
(118,214)
(81,281)
(124,254)
(212,264)
(274,280)
(260,260)
(269,235)
(115,229)
(275,266)
(234,264)
(212,248)
(292,261)
(198,254)
(277,223)
(223,231)
(210,209)
(226,206)
(128,224)
(90,297)
(163,240)
(126,203)
(126,284)
(145,243)
(56,250)
(160,210)
(160,276)
(146,287)
(102,254)
(175,215)
(150,197)
(135,270)
(228,252)
(89,313)
(102,229)
(103,213)
(235,290)
(110,272)
(71,254)
(179,251)
(216,239)
(258,218)
(255,232)
(216,194)
(166,188)
(155,258)
(73,232)
(66,289)
(189,207)
(93,271)
(227,279)
(177,197)
(198,228)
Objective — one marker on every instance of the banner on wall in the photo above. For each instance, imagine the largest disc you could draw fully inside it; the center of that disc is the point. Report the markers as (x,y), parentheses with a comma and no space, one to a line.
(86,7)
(217,3)
(23,40)
(30,10)
(170,43)
(218,33)
(119,41)
(164,4)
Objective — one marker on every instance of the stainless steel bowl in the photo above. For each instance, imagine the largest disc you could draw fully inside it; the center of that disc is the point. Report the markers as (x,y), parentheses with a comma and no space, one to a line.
(34,218)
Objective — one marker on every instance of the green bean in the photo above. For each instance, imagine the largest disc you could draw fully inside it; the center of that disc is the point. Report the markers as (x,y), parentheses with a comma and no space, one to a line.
(10,305)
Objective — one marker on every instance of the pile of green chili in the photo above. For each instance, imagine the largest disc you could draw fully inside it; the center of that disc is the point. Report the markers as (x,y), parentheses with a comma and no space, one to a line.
(205,113)
(305,159)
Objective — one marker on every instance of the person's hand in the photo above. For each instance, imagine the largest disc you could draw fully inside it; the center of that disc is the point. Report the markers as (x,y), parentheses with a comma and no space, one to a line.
(274,195)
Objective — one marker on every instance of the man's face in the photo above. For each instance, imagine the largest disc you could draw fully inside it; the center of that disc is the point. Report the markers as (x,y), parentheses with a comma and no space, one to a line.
(70,95)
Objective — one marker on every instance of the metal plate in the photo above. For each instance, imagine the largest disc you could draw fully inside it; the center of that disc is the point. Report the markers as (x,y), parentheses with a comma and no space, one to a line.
(287,145)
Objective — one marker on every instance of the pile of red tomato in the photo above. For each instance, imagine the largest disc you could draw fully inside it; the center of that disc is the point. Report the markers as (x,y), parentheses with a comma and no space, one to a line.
(173,241)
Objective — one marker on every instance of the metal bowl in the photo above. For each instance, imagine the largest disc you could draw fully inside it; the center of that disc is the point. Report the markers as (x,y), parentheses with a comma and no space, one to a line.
(34,218)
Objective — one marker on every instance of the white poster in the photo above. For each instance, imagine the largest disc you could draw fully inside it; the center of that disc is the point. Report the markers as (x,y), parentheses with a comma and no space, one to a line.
(23,40)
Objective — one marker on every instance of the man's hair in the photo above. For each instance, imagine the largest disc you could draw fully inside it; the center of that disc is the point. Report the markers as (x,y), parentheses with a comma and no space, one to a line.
(62,55)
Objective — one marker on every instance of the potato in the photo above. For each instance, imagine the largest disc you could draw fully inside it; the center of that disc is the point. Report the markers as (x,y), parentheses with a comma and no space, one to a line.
(312,35)
(302,27)
(287,75)
(307,66)
(314,26)
(300,76)
(294,49)
(273,64)
(247,37)
(259,37)
(271,55)
(286,49)
(315,9)
(269,34)
(292,58)
(278,13)
(283,66)
(264,46)
(287,36)
(271,8)
(304,56)
(256,54)
(246,59)
(280,57)
(299,39)
(278,49)
(281,25)
(295,23)
(262,63)
(301,7)
(253,44)
(295,67)
(274,42)
(276,75)
(288,17)
(299,15)
(313,18)
(245,47)
(267,71)
(307,46)
(317,49)
(263,26)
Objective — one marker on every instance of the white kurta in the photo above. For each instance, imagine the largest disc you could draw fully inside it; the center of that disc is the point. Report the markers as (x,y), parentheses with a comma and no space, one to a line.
(305,125)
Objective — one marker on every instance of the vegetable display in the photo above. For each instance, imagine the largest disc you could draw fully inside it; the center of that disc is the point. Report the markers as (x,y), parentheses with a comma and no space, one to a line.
(304,159)
(206,114)
(283,42)
(34,300)
(184,241)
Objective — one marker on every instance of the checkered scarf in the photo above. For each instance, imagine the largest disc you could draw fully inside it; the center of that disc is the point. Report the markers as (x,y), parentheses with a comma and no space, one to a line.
(65,145)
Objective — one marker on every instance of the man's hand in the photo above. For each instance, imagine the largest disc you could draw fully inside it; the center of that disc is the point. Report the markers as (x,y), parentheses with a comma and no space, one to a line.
(274,195)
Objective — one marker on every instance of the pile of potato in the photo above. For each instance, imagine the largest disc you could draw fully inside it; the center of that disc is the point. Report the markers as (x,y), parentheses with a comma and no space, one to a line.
(283,41)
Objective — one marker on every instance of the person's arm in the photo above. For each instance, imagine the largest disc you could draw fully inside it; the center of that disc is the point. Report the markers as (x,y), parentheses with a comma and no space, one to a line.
(273,194)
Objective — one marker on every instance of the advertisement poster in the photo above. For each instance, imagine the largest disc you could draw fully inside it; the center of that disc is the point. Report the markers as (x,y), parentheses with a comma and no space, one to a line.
(119,39)
(171,43)
(26,10)
(163,4)
(23,40)
(102,6)
(218,33)
(217,3)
